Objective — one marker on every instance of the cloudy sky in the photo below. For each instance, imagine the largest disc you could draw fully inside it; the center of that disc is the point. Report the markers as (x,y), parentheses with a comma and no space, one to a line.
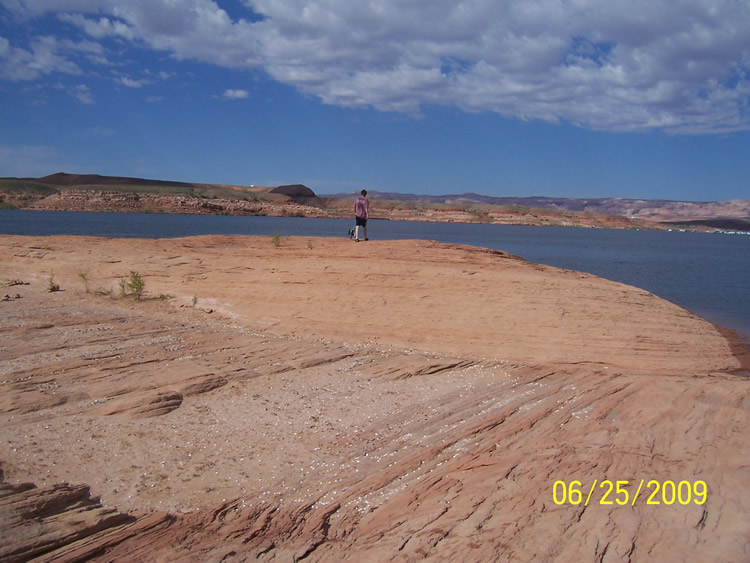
(577,98)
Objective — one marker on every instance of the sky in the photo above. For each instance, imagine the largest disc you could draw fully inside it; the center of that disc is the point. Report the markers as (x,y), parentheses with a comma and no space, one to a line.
(562,98)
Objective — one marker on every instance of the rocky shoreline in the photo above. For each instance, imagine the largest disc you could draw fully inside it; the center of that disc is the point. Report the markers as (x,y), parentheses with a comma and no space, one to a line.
(125,202)
(246,407)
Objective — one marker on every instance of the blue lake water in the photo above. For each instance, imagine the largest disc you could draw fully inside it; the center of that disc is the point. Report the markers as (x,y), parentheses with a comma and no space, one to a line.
(708,274)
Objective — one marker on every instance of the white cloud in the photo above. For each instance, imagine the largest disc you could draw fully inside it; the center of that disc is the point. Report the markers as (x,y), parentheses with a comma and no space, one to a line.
(616,65)
(130,82)
(44,57)
(188,29)
(82,93)
(235,94)
(99,27)
(621,65)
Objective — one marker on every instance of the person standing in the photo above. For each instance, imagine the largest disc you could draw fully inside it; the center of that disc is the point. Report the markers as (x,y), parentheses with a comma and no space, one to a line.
(361,214)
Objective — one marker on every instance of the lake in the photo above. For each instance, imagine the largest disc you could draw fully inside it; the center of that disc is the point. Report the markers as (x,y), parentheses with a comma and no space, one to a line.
(706,273)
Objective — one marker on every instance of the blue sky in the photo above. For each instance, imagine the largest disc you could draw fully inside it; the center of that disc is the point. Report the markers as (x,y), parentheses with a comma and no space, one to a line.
(569,98)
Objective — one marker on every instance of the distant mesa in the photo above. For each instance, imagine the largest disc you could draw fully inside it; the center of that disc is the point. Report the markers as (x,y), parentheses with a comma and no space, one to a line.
(295,191)
(470,206)
(64,179)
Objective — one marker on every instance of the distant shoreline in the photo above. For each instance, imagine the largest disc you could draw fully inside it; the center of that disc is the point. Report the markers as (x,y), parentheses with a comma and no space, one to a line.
(94,193)
(136,202)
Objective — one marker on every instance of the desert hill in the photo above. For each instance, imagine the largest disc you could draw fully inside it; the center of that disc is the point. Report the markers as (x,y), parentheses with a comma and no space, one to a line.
(653,209)
(93,192)
(294,191)
(64,179)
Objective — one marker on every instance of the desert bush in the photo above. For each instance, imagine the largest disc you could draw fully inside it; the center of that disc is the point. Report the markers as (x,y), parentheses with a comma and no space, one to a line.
(278,240)
(52,285)
(134,286)
(85,277)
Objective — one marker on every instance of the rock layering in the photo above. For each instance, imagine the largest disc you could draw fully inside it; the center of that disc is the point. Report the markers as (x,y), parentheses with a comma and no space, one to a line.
(327,400)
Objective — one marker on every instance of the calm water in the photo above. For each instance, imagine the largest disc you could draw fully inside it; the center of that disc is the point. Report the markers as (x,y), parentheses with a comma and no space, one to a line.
(708,274)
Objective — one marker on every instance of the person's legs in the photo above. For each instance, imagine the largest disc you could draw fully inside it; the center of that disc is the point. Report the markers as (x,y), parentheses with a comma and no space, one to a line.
(360,222)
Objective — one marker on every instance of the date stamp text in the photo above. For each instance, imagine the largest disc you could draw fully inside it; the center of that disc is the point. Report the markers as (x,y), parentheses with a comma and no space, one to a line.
(621,493)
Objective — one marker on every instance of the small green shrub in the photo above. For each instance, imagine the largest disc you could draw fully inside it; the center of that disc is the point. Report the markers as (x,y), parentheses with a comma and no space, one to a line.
(278,240)
(134,286)
(85,277)
(52,285)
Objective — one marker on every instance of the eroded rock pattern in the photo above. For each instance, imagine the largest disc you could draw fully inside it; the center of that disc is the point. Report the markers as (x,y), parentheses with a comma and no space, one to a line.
(258,410)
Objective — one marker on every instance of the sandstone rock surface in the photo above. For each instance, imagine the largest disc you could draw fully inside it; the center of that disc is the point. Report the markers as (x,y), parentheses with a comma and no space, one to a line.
(327,400)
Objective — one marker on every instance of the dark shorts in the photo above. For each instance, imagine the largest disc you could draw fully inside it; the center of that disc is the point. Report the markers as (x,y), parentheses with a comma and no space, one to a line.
(360,221)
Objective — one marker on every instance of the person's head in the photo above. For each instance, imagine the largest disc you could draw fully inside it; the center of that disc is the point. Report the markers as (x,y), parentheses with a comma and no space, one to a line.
(363,192)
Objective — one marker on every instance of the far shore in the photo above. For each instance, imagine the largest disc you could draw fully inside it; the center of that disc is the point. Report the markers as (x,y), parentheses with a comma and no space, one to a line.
(103,200)
(63,191)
